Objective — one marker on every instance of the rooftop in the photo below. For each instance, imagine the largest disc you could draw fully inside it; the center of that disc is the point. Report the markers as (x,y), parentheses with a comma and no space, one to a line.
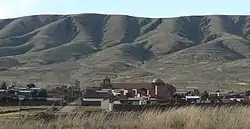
(92,99)
(129,85)
(192,97)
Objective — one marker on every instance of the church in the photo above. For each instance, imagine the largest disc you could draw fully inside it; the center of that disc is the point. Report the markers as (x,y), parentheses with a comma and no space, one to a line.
(156,89)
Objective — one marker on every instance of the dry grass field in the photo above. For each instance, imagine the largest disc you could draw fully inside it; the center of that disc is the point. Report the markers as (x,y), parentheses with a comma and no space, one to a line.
(8,108)
(12,112)
(81,109)
(181,118)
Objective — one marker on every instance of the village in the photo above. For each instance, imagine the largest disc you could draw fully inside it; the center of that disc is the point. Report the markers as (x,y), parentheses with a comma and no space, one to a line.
(116,95)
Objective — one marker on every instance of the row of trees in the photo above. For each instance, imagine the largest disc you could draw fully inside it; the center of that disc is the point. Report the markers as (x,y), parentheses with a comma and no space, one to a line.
(4,85)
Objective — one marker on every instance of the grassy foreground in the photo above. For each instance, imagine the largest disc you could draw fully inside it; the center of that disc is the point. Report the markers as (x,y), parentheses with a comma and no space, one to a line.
(182,118)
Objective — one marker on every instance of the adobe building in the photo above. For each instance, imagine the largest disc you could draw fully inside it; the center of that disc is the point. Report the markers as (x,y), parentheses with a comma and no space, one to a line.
(156,89)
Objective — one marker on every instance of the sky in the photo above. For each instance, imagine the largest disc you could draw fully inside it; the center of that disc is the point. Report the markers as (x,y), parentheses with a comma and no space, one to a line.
(143,8)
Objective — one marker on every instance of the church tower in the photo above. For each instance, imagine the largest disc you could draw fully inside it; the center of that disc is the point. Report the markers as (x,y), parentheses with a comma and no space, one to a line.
(106,83)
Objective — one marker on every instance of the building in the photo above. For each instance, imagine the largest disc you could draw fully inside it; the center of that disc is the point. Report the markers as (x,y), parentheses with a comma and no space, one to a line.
(193,98)
(156,89)
(91,101)
(77,84)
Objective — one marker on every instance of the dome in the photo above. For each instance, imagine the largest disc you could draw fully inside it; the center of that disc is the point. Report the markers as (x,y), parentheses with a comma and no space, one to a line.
(107,78)
(158,81)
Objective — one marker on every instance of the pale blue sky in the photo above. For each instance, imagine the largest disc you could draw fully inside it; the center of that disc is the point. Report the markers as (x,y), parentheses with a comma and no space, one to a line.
(149,8)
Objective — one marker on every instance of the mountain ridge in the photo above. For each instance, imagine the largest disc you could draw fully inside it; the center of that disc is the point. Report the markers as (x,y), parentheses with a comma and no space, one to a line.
(89,47)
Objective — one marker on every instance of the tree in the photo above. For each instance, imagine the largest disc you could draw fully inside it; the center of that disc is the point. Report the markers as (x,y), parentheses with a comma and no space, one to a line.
(4,85)
(31,85)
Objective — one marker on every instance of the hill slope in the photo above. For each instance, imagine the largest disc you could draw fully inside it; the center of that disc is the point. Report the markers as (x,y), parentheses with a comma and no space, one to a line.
(205,51)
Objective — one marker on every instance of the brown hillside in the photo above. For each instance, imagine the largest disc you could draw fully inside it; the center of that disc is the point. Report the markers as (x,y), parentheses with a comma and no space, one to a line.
(204,51)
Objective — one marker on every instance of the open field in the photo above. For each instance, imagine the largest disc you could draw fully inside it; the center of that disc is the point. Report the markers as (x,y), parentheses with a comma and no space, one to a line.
(181,118)
(13,112)
(86,109)
(8,108)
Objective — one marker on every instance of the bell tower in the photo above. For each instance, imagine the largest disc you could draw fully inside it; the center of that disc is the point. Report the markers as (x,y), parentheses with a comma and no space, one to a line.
(106,83)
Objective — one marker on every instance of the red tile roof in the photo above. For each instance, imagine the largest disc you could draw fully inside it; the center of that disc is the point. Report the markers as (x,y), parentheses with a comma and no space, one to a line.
(125,85)
(122,85)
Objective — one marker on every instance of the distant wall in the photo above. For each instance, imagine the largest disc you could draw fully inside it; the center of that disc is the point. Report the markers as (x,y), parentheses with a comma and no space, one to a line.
(105,104)
(91,103)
